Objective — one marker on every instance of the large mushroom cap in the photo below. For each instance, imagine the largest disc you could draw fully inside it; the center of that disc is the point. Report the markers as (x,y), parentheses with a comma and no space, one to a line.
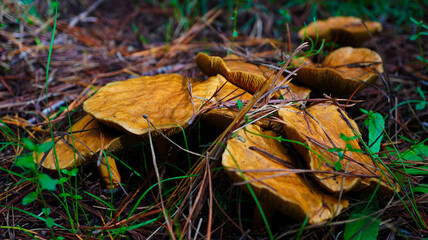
(347,31)
(245,75)
(265,163)
(320,127)
(344,71)
(78,146)
(168,100)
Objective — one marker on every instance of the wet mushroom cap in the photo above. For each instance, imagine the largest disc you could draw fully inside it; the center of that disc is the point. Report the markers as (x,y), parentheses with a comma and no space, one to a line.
(268,167)
(168,100)
(78,146)
(343,72)
(319,128)
(347,31)
(245,75)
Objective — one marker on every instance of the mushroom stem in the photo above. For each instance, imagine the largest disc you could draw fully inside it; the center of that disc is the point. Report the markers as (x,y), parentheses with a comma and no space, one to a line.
(109,173)
(163,146)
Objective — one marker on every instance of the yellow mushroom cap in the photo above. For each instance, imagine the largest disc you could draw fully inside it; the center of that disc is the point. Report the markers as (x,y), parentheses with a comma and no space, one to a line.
(265,163)
(165,99)
(245,75)
(344,71)
(320,128)
(78,146)
(347,31)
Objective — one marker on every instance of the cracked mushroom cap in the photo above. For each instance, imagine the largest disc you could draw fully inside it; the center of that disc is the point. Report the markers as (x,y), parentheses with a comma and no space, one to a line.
(346,31)
(168,100)
(78,146)
(344,71)
(319,128)
(245,75)
(266,164)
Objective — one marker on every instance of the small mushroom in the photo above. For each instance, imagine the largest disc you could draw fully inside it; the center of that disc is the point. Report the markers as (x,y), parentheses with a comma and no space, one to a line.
(319,129)
(346,31)
(344,71)
(245,75)
(168,100)
(80,146)
(253,155)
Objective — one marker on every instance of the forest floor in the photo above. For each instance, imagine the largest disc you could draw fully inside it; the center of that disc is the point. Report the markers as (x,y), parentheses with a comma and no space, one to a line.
(51,63)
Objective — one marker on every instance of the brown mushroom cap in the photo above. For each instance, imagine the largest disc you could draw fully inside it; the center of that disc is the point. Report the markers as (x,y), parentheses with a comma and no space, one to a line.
(164,99)
(343,71)
(79,147)
(245,75)
(266,164)
(347,31)
(320,128)
(225,99)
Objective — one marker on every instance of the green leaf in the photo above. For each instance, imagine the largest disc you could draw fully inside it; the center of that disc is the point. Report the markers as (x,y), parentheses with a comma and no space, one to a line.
(420,106)
(239,103)
(420,171)
(422,188)
(25,162)
(346,138)
(46,182)
(234,34)
(62,180)
(376,126)
(77,197)
(29,144)
(421,93)
(46,211)
(44,147)
(64,194)
(49,222)
(416,153)
(406,139)
(337,166)
(29,198)
(73,172)
(414,37)
(369,226)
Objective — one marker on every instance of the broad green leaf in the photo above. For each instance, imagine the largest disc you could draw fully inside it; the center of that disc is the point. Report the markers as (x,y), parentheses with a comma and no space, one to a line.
(417,153)
(46,182)
(29,198)
(420,171)
(49,222)
(25,162)
(29,144)
(44,147)
(369,226)
(376,124)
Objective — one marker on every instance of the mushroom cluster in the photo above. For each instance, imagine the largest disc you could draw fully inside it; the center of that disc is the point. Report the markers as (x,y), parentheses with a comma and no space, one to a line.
(304,180)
